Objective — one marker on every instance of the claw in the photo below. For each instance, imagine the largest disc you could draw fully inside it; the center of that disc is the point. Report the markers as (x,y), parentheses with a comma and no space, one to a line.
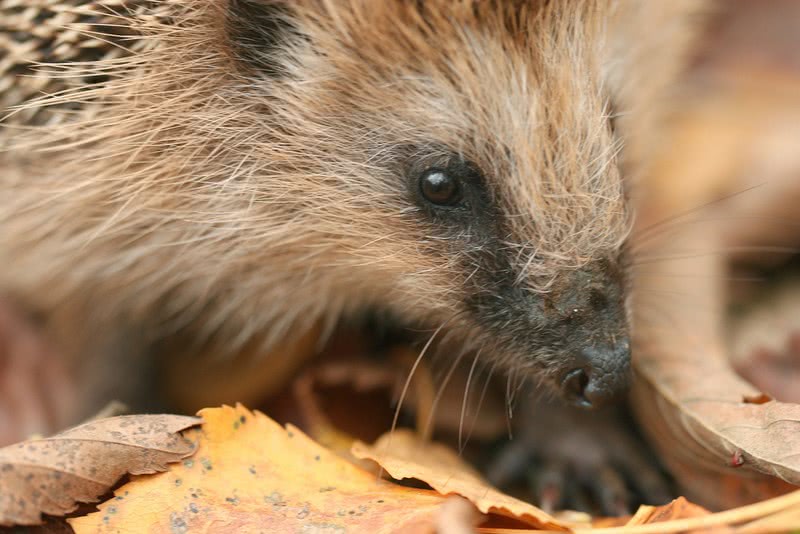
(611,492)
(549,485)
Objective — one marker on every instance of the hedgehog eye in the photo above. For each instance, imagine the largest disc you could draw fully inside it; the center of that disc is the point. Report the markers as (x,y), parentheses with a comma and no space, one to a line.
(440,187)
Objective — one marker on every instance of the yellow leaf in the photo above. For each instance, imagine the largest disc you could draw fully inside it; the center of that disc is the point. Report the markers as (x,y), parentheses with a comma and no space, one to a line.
(249,474)
(403,455)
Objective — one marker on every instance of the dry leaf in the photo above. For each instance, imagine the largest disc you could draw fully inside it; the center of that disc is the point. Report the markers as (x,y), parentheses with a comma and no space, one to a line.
(679,508)
(403,455)
(723,451)
(249,472)
(327,394)
(735,132)
(51,475)
(681,516)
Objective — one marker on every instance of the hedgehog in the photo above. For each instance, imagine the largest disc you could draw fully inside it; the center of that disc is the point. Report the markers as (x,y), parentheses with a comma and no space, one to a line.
(218,175)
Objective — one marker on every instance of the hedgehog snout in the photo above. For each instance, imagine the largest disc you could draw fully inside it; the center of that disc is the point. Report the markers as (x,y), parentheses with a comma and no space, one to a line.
(600,376)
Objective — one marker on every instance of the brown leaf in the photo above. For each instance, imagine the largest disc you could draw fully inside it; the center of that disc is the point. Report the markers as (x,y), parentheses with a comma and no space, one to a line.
(774,515)
(326,396)
(51,475)
(693,405)
(723,451)
(704,206)
(679,508)
(403,455)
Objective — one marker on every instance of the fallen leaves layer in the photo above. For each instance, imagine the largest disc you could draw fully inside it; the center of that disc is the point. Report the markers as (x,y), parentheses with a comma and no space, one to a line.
(248,472)
(52,475)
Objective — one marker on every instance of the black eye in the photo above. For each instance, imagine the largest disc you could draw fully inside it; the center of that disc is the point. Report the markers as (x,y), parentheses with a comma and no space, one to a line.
(440,187)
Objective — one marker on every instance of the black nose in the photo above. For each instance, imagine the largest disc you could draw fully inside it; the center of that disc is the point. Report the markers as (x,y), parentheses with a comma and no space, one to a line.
(603,378)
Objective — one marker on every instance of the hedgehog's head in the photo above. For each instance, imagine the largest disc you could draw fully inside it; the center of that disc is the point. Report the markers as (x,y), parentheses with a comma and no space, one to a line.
(455,161)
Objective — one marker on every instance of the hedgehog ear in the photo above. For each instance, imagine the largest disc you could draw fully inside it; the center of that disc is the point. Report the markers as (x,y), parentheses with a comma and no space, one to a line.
(259,32)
